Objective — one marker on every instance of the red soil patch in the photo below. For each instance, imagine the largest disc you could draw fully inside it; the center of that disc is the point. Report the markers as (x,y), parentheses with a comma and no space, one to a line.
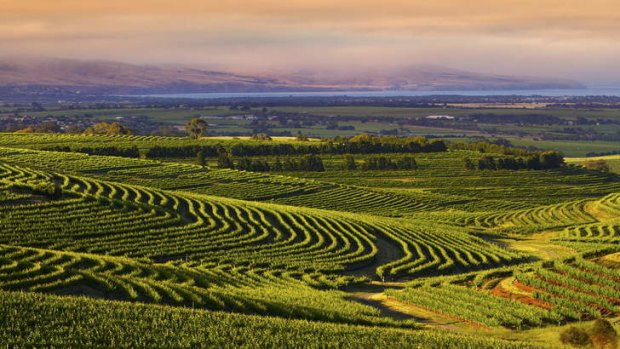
(502,292)
(523,287)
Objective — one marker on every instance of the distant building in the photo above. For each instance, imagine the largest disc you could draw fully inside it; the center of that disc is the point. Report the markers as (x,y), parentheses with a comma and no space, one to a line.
(440,117)
(242,117)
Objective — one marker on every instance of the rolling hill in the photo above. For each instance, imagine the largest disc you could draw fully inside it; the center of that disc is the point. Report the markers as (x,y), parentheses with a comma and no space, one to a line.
(104,78)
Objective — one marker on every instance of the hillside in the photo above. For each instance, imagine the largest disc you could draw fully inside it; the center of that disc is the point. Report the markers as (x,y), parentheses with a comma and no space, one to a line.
(102,77)
(432,255)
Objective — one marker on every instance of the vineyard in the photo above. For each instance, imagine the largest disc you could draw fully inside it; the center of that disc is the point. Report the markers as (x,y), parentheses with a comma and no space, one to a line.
(339,258)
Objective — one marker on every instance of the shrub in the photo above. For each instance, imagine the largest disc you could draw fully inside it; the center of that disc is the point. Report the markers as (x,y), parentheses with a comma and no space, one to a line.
(597,165)
(603,334)
(261,137)
(575,336)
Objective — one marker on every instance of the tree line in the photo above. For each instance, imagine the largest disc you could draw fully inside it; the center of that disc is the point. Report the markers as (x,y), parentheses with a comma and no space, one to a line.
(310,162)
(485,147)
(537,161)
(385,163)
(365,144)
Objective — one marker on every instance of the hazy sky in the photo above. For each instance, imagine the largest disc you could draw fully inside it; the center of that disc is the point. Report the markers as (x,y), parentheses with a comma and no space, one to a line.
(564,38)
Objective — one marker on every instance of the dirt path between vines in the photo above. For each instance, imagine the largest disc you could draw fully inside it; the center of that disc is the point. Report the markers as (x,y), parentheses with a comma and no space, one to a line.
(388,251)
(373,294)
(538,245)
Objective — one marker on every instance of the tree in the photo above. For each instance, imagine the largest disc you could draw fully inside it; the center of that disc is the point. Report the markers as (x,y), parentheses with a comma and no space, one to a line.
(48,127)
(551,159)
(312,162)
(469,164)
(302,137)
(25,130)
(225,161)
(103,128)
(74,129)
(116,128)
(201,159)
(533,163)
(331,125)
(196,128)
(382,163)
(261,137)
(487,163)
(349,162)
(278,166)
(406,163)
(37,107)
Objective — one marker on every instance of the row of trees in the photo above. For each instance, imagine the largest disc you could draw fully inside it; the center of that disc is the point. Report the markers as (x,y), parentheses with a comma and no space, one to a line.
(104,128)
(536,161)
(344,146)
(309,162)
(384,163)
(593,154)
(485,147)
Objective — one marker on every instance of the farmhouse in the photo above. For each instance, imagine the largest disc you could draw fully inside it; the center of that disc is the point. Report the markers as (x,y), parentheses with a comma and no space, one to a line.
(440,117)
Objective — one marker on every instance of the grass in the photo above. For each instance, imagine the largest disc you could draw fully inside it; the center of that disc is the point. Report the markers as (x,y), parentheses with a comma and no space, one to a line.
(539,246)
(458,111)
(612,160)
(569,148)
(176,116)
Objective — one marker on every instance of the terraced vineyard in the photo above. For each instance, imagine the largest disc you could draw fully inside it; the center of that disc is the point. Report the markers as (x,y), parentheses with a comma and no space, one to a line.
(543,293)
(388,251)
(162,225)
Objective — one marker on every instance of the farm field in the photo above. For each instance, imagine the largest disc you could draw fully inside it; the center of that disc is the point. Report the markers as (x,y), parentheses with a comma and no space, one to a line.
(158,114)
(570,148)
(151,250)
(574,131)
(613,161)
(457,111)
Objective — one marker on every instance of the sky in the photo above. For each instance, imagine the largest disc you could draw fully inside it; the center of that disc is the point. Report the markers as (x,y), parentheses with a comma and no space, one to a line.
(573,39)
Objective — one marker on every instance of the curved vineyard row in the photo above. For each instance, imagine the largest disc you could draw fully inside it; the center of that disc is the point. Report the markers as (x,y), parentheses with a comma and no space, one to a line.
(223,182)
(225,287)
(433,248)
(111,218)
(543,217)
(608,232)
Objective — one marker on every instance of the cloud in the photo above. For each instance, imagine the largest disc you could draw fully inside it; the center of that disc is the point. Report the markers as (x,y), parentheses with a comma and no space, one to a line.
(509,36)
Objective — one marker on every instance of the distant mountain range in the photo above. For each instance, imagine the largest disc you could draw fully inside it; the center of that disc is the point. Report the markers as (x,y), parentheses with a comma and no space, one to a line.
(107,78)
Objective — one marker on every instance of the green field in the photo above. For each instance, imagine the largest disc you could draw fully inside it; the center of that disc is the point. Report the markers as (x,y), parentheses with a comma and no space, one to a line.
(108,251)
(612,160)
(574,131)
(159,114)
(454,111)
(570,148)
